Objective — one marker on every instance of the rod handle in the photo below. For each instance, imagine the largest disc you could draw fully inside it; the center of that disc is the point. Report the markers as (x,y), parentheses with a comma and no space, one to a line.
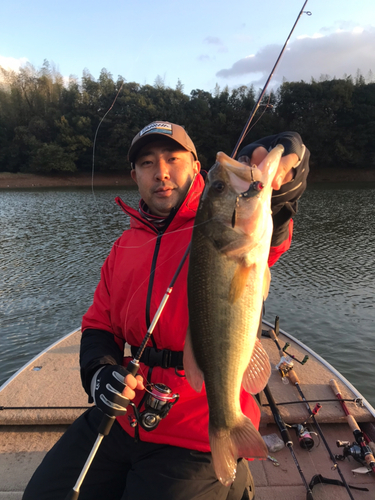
(106,424)
(272,335)
(352,423)
(277,417)
(335,387)
(371,444)
(293,377)
(72,495)
(366,450)
(133,367)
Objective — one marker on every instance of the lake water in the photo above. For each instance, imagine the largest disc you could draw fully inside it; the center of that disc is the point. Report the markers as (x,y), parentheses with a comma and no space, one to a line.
(53,243)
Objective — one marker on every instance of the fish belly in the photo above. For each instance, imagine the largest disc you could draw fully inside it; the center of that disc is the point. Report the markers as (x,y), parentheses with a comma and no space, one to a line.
(222,336)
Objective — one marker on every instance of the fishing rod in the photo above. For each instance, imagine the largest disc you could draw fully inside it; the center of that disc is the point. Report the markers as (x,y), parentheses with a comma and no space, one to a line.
(286,359)
(286,438)
(294,379)
(255,108)
(360,437)
(356,401)
(132,367)
(257,104)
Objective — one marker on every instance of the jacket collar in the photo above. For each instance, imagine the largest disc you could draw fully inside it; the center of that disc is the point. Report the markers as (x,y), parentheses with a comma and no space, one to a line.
(187,210)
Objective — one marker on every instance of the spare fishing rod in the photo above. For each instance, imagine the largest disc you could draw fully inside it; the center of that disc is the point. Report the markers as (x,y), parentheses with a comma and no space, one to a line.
(257,104)
(286,359)
(360,437)
(132,367)
(286,438)
(294,379)
(356,401)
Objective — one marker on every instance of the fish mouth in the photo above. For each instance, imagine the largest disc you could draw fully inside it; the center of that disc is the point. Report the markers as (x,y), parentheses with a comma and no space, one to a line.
(239,184)
(244,172)
(241,176)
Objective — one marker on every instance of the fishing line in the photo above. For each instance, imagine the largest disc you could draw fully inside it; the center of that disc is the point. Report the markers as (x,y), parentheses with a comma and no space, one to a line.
(146,279)
(170,233)
(265,109)
(94,142)
(257,104)
(93,160)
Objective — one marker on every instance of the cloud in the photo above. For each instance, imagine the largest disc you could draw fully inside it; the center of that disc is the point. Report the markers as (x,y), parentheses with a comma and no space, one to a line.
(337,54)
(10,63)
(204,58)
(214,40)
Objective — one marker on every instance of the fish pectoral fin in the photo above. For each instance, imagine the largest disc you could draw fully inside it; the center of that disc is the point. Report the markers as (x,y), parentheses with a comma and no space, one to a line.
(258,371)
(266,282)
(239,281)
(193,373)
(229,445)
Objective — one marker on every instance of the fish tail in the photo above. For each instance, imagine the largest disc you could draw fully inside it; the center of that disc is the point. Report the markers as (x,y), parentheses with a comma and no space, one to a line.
(227,446)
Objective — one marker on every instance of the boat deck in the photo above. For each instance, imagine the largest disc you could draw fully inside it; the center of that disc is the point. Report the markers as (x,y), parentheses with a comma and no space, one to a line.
(32,420)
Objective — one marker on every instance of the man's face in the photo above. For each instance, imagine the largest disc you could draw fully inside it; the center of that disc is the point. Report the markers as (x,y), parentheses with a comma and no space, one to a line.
(163,172)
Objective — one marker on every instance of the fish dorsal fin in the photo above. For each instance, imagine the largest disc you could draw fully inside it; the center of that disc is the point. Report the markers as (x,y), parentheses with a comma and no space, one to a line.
(239,281)
(192,371)
(258,371)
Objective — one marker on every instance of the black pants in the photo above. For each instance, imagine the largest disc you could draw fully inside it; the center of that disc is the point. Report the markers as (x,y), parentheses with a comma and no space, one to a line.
(125,470)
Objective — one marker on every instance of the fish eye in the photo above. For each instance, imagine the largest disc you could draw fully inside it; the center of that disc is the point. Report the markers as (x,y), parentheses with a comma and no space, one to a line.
(219,186)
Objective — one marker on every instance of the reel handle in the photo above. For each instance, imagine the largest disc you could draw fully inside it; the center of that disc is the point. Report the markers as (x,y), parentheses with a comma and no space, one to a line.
(293,377)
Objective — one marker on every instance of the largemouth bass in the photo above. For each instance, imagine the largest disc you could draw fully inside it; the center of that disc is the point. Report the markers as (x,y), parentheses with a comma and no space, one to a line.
(228,280)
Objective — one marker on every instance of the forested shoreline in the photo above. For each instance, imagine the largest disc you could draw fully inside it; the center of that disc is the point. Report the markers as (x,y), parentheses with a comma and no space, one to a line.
(48,125)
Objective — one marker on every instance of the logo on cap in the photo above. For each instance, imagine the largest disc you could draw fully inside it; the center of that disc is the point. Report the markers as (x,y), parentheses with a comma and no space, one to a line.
(157,128)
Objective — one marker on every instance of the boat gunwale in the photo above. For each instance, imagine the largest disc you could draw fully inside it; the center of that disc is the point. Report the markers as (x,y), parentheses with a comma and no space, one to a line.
(26,365)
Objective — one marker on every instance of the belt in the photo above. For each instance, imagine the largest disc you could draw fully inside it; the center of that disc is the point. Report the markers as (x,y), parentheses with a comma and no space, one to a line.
(163,357)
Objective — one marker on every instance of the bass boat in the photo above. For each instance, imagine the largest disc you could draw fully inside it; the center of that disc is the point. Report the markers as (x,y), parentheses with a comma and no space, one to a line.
(319,429)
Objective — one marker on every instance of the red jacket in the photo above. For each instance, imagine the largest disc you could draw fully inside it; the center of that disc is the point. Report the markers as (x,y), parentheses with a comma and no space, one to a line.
(126,301)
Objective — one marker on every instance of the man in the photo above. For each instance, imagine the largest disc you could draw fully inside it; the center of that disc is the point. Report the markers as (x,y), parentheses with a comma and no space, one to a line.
(150,452)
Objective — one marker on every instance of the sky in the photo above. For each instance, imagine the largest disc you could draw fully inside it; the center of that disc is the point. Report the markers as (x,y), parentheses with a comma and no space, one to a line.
(202,43)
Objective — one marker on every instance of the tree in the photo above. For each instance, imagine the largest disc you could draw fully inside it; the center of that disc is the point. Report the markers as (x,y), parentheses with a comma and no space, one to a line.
(47,125)
(52,158)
